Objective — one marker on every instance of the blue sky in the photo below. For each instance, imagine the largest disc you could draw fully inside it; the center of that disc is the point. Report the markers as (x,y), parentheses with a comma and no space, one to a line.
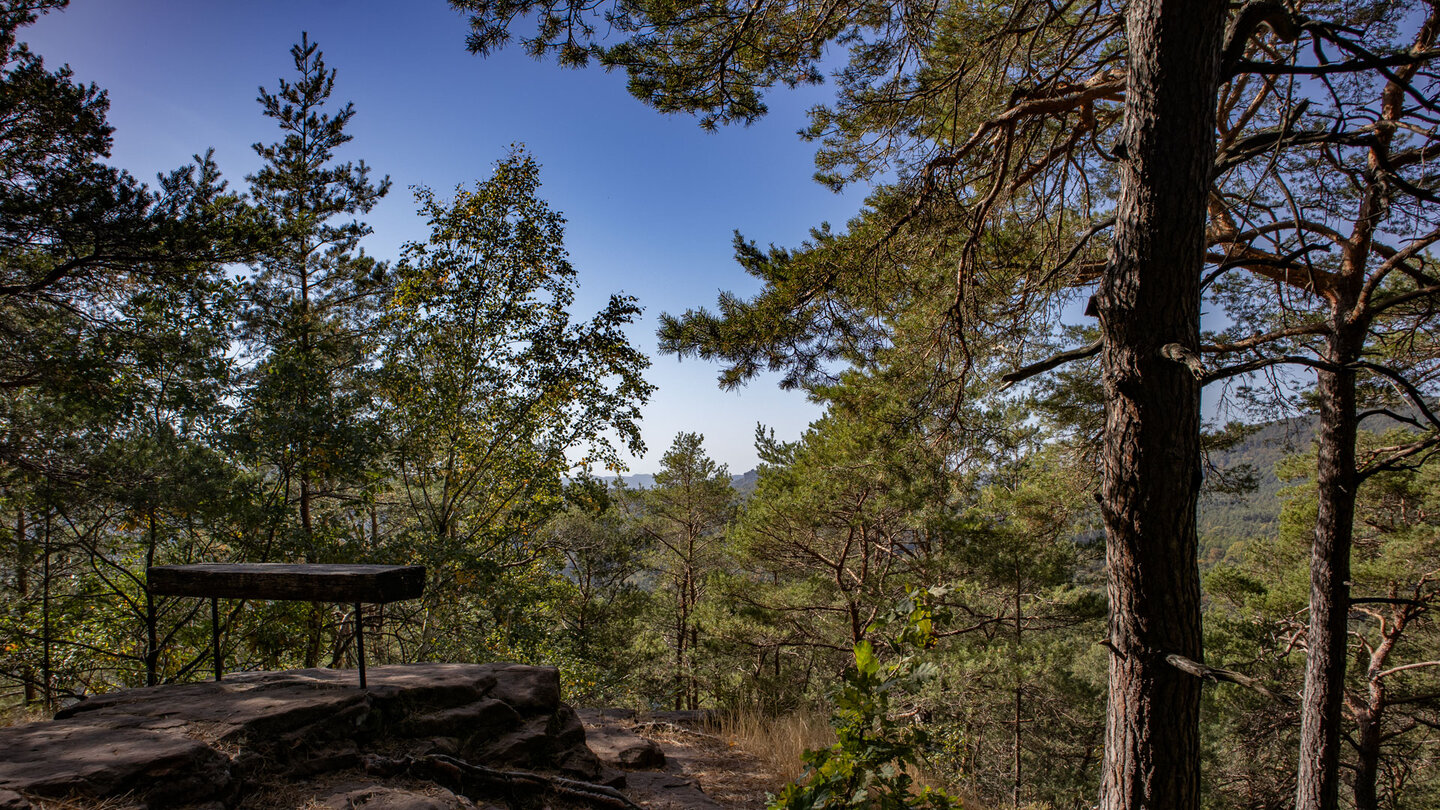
(651,200)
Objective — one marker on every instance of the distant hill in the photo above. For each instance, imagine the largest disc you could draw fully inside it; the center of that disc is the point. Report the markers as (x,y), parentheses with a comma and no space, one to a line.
(1225,518)
(637,481)
(744,483)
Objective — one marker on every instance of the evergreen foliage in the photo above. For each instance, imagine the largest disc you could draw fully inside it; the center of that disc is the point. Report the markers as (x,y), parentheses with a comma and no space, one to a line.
(450,409)
(685,518)
(310,308)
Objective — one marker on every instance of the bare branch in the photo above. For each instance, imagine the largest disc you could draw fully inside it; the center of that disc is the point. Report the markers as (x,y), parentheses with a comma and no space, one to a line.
(1266,362)
(1209,673)
(1413,394)
(1045,365)
(1404,667)
(1313,328)
(1348,66)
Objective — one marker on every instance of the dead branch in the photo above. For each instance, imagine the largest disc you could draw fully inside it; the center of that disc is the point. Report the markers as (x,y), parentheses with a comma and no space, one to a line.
(1404,667)
(1313,328)
(1412,393)
(1208,673)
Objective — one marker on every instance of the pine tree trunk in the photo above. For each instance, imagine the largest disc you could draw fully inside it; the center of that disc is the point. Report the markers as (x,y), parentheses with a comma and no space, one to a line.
(315,630)
(306,526)
(1149,299)
(1019,692)
(46,670)
(314,634)
(152,620)
(681,625)
(24,549)
(694,695)
(1367,765)
(1318,782)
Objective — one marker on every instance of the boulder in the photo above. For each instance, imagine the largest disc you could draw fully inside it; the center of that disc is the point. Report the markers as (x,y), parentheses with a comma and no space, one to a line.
(621,748)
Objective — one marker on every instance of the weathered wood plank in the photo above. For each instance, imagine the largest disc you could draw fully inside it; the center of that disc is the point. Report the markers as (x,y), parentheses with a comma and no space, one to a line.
(290,581)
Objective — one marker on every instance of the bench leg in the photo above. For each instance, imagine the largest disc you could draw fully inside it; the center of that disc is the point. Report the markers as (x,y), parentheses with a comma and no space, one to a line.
(215,635)
(360,643)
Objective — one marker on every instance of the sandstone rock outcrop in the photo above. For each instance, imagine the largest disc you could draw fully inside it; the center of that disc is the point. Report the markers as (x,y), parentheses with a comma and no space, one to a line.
(212,742)
(422,737)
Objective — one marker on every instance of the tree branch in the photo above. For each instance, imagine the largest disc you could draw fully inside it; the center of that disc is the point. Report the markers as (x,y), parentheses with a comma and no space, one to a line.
(1255,365)
(1199,670)
(1043,366)
(1404,667)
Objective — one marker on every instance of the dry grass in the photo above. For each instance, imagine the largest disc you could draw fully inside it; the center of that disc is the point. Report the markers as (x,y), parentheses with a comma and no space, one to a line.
(21,715)
(85,803)
(779,742)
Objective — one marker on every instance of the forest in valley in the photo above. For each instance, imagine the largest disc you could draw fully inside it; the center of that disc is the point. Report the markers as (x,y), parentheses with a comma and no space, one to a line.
(1016,562)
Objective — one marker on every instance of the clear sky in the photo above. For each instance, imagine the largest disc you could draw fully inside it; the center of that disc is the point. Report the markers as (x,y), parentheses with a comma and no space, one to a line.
(652,200)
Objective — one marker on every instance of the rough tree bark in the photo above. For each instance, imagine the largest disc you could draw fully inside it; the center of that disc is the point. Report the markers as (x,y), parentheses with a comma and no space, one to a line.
(1149,299)
(1318,780)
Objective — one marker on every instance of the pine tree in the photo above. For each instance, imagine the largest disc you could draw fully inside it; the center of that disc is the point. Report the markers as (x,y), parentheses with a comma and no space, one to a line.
(312,303)
(686,514)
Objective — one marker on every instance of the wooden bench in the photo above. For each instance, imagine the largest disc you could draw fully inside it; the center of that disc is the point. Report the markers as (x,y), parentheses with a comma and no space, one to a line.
(351,584)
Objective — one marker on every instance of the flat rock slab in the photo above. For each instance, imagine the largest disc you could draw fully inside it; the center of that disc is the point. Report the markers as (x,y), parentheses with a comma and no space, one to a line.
(619,747)
(311,738)
(667,791)
(56,759)
(196,742)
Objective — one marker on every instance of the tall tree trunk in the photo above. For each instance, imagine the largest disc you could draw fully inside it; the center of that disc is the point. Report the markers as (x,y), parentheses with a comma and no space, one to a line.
(23,550)
(152,620)
(45,640)
(1019,687)
(314,634)
(682,623)
(1367,760)
(1318,781)
(694,693)
(306,526)
(1149,308)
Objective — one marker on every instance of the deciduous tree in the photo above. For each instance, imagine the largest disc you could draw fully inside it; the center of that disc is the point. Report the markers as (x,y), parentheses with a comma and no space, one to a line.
(490,388)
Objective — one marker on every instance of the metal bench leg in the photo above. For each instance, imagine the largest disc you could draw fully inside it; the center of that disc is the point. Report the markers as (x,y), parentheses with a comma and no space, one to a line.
(215,634)
(360,643)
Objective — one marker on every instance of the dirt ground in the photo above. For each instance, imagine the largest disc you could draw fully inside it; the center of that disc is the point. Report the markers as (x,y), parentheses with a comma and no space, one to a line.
(732,777)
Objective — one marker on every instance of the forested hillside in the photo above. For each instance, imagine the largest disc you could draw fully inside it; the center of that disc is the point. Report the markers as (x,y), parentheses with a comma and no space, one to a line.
(1256,472)
(1009,561)
(744,483)
(1251,509)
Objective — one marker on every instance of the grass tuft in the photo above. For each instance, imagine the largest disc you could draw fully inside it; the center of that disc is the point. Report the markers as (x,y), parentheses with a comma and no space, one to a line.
(778,742)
